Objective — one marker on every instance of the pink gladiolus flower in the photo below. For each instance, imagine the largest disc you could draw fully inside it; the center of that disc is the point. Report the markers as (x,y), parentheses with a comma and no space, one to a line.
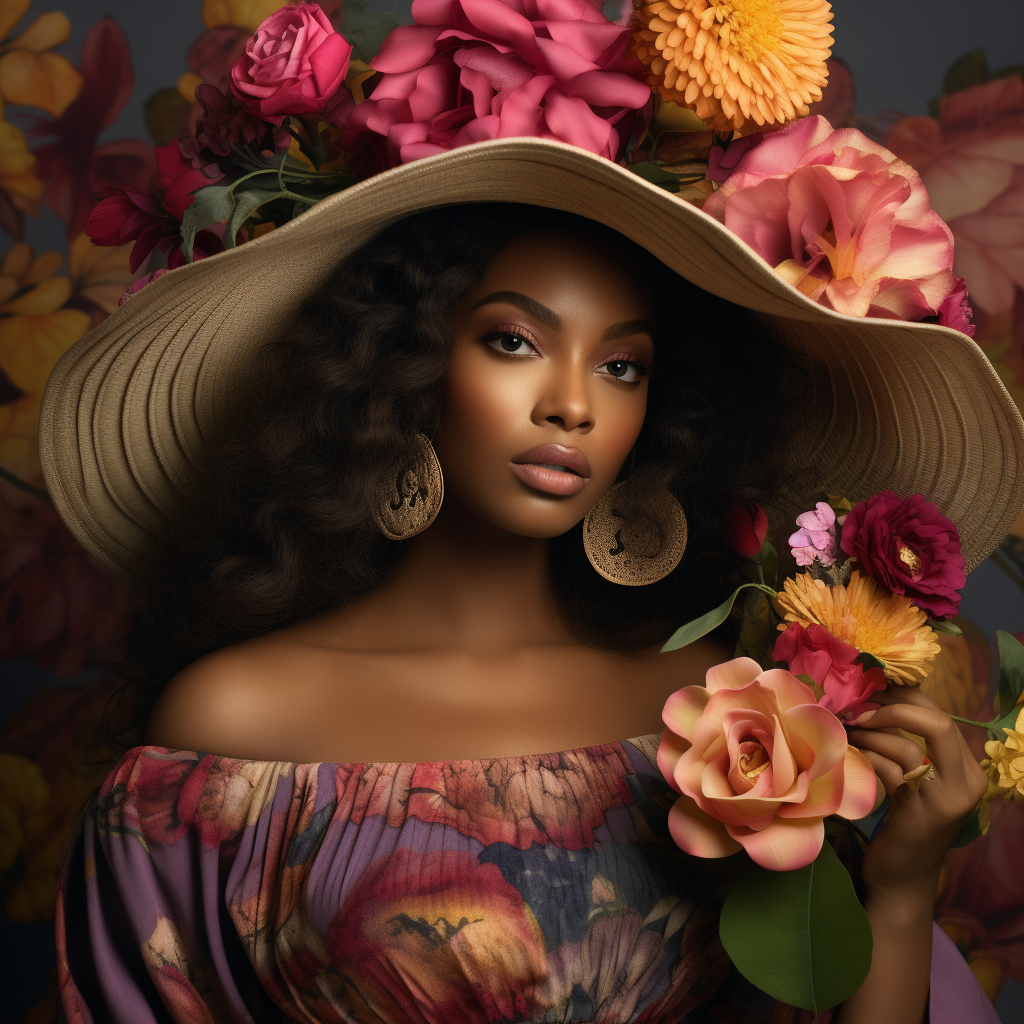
(832,664)
(816,537)
(972,163)
(759,764)
(841,219)
(294,64)
(470,70)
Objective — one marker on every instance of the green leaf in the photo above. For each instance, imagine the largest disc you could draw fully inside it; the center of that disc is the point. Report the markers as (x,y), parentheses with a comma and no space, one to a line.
(869,661)
(365,30)
(935,107)
(758,633)
(1008,71)
(768,559)
(710,620)
(801,936)
(212,204)
(970,830)
(1011,672)
(947,628)
(657,175)
(1007,721)
(969,70)
(247,202)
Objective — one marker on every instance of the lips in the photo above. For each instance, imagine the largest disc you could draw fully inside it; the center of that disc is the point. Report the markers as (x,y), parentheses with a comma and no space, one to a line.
(552,469)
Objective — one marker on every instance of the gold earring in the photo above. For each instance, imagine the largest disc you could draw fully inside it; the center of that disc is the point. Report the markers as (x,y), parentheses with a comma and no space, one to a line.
(608,539)
(409,497)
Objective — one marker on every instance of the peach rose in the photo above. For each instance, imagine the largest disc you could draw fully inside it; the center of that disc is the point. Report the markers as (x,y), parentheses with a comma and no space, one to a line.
(844,221)
(972,163)
(759,765)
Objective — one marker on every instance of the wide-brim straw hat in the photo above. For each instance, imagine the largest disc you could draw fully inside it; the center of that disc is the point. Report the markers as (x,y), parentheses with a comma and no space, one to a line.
(130,410)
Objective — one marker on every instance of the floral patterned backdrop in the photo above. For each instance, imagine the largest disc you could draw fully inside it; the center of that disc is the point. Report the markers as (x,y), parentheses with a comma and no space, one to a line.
(70,82)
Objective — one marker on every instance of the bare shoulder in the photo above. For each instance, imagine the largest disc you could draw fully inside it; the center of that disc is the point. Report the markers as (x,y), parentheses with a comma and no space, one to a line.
(691,663)
(233,701)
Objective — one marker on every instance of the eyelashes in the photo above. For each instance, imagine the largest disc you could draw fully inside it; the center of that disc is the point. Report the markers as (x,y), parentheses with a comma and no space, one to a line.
(517,342)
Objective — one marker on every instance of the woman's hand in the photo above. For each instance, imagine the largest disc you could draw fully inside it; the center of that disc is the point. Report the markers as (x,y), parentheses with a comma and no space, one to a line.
(907,854)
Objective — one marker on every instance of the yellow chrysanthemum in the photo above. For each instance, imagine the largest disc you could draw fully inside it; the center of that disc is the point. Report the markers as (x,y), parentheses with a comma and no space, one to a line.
(1005,764)
(735,61)
(862,614)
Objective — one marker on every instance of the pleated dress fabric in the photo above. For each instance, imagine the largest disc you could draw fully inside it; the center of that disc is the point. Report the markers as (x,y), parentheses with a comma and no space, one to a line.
(199,888)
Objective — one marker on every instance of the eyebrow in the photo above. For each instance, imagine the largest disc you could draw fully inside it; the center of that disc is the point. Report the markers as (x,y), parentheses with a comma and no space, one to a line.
(551,319)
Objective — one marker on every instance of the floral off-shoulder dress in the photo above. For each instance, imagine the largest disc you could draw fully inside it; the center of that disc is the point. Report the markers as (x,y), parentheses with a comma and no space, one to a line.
(200,888)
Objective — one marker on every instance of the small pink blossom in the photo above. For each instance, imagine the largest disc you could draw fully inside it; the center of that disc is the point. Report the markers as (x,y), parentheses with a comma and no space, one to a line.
(843,220)
(816,538)
(470,70)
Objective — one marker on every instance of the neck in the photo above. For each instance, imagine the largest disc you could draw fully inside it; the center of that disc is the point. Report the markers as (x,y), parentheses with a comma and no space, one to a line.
(466,583)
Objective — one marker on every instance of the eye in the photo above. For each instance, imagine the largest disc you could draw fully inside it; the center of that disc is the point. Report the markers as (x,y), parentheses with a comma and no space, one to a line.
(624,370)
(510,341)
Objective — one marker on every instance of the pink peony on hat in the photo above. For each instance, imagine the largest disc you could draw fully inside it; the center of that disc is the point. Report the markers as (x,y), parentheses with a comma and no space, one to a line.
(552,104)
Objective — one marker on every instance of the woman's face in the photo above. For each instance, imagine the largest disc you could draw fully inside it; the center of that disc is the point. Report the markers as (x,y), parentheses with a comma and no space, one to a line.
(547,387)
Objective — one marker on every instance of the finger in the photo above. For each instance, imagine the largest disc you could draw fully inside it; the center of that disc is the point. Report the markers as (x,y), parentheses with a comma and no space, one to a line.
(888,771)
(906,753)
(894,694)
(938,729)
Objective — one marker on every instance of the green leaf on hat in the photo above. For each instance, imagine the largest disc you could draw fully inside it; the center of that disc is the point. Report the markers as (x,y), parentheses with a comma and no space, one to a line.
(1008,72)
(969,70)
(365,30)
(801,936)
(1011,673)
(699,627)
(657,175)
(946,628)
(212,204)
(247,202)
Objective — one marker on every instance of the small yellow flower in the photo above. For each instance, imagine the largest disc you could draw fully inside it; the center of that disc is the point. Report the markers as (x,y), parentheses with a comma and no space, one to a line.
(736,61)
(29,73)
(864,615)
(1005,764)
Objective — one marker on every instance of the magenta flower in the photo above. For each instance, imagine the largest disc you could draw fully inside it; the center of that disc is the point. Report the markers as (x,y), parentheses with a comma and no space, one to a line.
(294,64)
(816,537)
(470,70)
(832,664)
(844,221)
(910,547)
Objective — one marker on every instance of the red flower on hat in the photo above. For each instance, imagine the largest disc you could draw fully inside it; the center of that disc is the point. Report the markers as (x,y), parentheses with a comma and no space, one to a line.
(910,547)
(470,70)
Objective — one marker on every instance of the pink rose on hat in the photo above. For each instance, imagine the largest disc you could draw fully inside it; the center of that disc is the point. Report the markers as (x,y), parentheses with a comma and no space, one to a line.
(844,221)
(471,70)
(294,64)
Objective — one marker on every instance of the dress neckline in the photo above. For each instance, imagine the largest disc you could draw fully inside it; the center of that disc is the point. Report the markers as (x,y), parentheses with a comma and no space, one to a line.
(644,740)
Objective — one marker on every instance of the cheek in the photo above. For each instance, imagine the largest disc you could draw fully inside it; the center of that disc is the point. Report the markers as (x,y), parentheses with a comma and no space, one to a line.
(619,423)
(478,400)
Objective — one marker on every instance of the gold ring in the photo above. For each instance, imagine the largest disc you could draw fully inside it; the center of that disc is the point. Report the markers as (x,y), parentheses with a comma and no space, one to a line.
(922,773)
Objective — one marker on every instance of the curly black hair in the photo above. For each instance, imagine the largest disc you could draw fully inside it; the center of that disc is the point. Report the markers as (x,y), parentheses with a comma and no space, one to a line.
(281,527)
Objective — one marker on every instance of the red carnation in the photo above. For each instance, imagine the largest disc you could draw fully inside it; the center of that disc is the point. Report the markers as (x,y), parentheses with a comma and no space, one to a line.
(832,664)
(746,528)
(910,547)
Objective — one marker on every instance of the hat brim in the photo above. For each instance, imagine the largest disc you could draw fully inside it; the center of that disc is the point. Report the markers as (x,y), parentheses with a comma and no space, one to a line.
(129,410)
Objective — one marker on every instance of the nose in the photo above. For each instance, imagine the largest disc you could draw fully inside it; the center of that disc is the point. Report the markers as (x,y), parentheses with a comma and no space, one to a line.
(565,400)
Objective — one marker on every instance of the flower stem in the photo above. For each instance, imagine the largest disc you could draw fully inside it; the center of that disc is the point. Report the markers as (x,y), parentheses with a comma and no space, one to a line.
(970,721)
(23,485)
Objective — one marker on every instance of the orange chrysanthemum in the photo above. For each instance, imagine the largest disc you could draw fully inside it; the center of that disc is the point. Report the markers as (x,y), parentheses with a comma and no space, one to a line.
(862,614)
(734,61)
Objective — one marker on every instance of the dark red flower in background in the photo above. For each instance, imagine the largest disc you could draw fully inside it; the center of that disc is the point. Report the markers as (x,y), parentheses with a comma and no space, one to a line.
(910,547)
(58,607)
(746,528)
(75,169)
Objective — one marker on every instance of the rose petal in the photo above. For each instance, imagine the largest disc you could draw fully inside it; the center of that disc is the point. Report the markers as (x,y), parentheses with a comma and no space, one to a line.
(860,786)
(732,674)
(683,708)
(785,845)
(697,833)
(671,748)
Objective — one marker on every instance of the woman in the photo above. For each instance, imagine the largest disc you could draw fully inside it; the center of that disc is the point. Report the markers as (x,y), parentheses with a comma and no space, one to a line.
(384,673)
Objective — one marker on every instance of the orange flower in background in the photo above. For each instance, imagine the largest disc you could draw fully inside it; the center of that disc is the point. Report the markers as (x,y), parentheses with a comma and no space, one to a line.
(35,331)
(20,189)
(736,61)
(246,14)
(29,73)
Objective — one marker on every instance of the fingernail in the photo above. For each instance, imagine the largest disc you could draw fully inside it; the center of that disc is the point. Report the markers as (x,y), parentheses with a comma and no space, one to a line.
(865,717)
